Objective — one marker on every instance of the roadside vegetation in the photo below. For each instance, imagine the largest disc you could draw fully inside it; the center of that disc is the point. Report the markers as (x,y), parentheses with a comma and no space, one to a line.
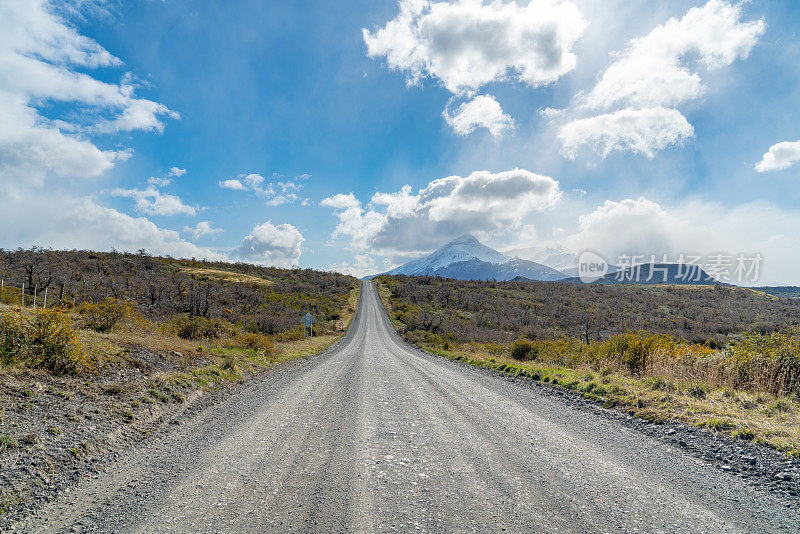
(128,340)
(725,359)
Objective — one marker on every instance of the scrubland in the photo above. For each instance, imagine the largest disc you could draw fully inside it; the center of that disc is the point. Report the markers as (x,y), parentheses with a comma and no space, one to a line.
(128,342)
(722,358)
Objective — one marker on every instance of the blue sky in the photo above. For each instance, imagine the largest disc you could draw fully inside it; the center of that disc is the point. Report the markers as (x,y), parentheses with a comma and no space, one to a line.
(296,93)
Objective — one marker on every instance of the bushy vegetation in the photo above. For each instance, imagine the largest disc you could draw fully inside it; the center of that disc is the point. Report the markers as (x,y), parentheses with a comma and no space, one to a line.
(256,341)
(40,338)
(114,302)
(505,311)
(186,327)
(718,336)
(106,287)
(523,350)
(104,315)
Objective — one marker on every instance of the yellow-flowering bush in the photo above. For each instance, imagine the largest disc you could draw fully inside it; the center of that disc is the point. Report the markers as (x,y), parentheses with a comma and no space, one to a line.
(10,295)
(768,362)
(42,338)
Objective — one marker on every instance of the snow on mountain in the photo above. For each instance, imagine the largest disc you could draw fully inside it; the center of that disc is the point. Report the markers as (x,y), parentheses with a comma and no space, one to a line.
(465,248)
(466,258)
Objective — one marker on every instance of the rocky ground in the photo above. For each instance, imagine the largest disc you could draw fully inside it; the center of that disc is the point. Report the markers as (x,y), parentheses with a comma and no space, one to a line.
(56,430)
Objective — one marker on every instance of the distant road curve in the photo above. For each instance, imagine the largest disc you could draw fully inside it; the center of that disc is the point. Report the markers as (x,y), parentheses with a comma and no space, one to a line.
(375,436)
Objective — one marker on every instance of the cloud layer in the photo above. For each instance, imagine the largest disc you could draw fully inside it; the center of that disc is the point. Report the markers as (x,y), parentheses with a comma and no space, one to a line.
(151,201)
(637,130)
(275,193)
(202,229)
(644,227)
(467,44)
(44,60)
(633,105)
(403,222)
(65,222)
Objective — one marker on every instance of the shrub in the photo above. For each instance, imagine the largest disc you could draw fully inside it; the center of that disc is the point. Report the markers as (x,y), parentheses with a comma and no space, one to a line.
(197,327)
(523,350)
(255,341)
(697,391)
(229,364)
(8,442)
(44,338)
(769,363)
(104,315)
(10,295)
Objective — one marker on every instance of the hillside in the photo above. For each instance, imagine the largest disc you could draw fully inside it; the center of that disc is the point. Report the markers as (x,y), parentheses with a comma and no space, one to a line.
(504,311)
(129,343)
(264,298)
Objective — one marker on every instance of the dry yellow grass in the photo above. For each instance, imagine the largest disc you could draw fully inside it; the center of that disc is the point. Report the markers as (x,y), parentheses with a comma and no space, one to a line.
(228,276)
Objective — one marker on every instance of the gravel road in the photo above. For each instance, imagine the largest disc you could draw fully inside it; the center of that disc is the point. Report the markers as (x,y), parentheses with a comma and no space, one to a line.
(375,436)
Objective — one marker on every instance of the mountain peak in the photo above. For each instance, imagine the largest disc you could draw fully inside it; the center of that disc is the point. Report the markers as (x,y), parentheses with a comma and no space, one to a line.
(466,239)
(467,258)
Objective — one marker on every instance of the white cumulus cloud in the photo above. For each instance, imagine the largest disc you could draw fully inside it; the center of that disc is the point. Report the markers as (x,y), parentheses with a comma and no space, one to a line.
(151,201)
(43,59)
(653,76)
(780,156)
(404,222)
(46,66)
(202,229)
(65,222)
(468,43)
(483,111)
(636,130)
(268,244)
(233,184)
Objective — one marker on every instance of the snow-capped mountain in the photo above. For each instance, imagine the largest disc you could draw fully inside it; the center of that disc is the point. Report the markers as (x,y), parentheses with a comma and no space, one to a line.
(466,258)
(465,248)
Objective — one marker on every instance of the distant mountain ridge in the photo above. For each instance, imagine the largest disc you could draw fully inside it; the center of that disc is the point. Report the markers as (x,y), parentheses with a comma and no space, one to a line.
(655,273)
(466,258)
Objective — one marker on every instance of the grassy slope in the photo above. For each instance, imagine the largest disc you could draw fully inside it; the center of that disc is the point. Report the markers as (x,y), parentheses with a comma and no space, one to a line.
(767,419)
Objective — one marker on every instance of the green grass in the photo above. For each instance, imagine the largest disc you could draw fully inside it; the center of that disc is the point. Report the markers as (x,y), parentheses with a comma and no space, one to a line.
(8,442)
